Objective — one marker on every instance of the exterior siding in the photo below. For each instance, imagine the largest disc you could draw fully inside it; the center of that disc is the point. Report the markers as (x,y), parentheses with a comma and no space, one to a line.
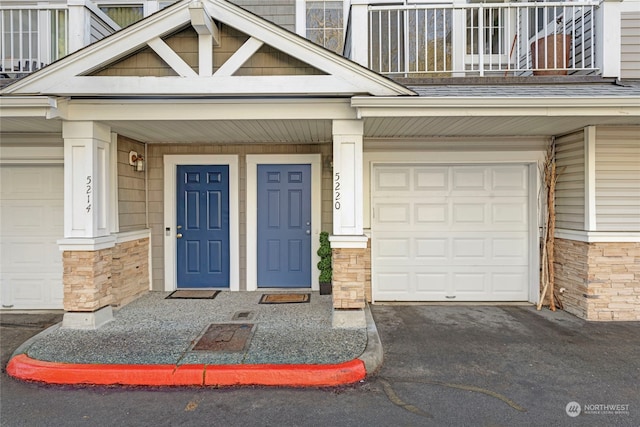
(280,12)
(156,191)
(570,188)
(267,61)
(132,213)
(99,29)
(617,179)
(630,47)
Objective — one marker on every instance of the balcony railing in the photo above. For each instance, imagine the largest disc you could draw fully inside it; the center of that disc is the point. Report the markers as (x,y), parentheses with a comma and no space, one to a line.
(32,37)
(514,39)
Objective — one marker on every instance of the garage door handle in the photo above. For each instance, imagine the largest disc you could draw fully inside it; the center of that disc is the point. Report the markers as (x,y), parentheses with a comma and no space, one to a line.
(450,296)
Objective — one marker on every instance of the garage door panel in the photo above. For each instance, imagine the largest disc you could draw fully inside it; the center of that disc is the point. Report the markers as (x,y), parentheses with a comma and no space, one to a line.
(462,233)
(513,180)
(434,249)
(511,214)
(432,179)
(432,214)
(32,212)
(394,282)
(392,180)
(435,283)
(470,179)
(395,248)
(393,213)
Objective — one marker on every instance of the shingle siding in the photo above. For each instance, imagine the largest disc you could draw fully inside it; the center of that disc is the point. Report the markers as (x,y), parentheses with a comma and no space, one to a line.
(281,12)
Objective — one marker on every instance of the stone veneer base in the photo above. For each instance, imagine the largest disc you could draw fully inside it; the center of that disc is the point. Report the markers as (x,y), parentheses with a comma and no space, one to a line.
(601,280)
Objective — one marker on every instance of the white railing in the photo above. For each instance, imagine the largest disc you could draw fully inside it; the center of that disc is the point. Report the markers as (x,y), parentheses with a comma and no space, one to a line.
(482,39)
(32,37)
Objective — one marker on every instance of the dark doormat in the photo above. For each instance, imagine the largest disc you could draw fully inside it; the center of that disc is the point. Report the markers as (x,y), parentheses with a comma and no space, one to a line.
(192,294)
(225,337)
(284,298)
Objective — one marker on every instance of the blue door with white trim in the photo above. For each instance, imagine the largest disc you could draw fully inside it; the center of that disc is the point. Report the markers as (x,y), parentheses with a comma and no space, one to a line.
(202,229)
(284,226)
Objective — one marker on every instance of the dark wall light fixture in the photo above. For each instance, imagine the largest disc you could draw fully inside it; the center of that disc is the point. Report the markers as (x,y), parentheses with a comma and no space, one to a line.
(137,161)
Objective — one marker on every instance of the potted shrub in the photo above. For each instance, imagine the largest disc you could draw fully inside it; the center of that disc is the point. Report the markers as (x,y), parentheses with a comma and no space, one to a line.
(324,265)
(550,54)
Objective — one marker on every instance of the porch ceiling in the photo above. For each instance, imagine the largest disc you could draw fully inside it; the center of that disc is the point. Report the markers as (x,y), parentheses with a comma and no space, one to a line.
(416,127)
(225,131)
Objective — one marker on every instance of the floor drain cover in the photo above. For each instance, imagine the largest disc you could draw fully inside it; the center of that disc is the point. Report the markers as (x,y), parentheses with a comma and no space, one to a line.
(243,315)
(225,337)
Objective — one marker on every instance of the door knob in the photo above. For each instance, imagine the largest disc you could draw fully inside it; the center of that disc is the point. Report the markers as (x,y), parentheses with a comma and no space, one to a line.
(179,235)
(308,231)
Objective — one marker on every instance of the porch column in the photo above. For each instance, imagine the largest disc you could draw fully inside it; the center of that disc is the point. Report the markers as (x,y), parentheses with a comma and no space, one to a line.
(348,242)
(87,244)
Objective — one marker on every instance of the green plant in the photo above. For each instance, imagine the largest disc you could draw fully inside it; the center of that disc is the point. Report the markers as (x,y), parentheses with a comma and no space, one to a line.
(324,252)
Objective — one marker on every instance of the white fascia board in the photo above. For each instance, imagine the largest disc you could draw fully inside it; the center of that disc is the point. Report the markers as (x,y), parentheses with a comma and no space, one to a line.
(304,50)
(199,86)
(218,109)
(105,51)
(488,107)
(27,106)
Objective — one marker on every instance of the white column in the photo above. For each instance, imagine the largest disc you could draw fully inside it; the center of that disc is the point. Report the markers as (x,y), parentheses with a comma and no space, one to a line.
(360,34)
(347,184)
(590,178)
(86,180)
(459,35)
(608,38)
(79,25)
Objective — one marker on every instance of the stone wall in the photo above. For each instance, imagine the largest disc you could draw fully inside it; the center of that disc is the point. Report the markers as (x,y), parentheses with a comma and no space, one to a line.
(112,276)
(349,277)
(601,280)
(86,279)
(130,271)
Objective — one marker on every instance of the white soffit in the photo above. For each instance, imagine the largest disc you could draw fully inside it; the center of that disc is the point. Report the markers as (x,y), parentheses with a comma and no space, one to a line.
(68,77)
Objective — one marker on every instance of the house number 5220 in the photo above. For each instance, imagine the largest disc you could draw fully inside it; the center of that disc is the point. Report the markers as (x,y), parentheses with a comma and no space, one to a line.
(336,189)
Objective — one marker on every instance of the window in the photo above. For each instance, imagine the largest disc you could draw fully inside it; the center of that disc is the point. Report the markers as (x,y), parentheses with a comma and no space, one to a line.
(124,15)
(324,22)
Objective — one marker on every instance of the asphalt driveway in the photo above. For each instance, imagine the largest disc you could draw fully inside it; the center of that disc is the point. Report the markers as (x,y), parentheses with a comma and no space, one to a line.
(509,365)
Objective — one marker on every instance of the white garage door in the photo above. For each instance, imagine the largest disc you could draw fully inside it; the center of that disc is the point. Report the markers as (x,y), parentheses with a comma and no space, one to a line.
(31,220)
(450,233)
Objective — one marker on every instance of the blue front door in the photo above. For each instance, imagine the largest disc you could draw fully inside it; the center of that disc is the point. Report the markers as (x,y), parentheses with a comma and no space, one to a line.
(284,226)
(202,229)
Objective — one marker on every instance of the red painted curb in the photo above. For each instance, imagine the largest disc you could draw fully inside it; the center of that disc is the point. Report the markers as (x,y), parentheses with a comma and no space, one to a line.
(286,375)
(25,368)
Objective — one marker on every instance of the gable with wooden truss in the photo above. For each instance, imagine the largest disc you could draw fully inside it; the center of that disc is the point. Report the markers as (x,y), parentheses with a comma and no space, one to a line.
(205,48)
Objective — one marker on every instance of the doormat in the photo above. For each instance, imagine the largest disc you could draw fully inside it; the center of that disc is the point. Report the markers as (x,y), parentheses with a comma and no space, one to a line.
(192,294)
(284,298)
(232,337)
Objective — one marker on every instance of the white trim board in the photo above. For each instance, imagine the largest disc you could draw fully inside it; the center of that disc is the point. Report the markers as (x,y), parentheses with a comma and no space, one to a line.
(171,163)
(315,160)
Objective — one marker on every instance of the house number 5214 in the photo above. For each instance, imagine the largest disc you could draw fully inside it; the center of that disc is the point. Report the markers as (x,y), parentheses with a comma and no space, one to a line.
(336,189)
